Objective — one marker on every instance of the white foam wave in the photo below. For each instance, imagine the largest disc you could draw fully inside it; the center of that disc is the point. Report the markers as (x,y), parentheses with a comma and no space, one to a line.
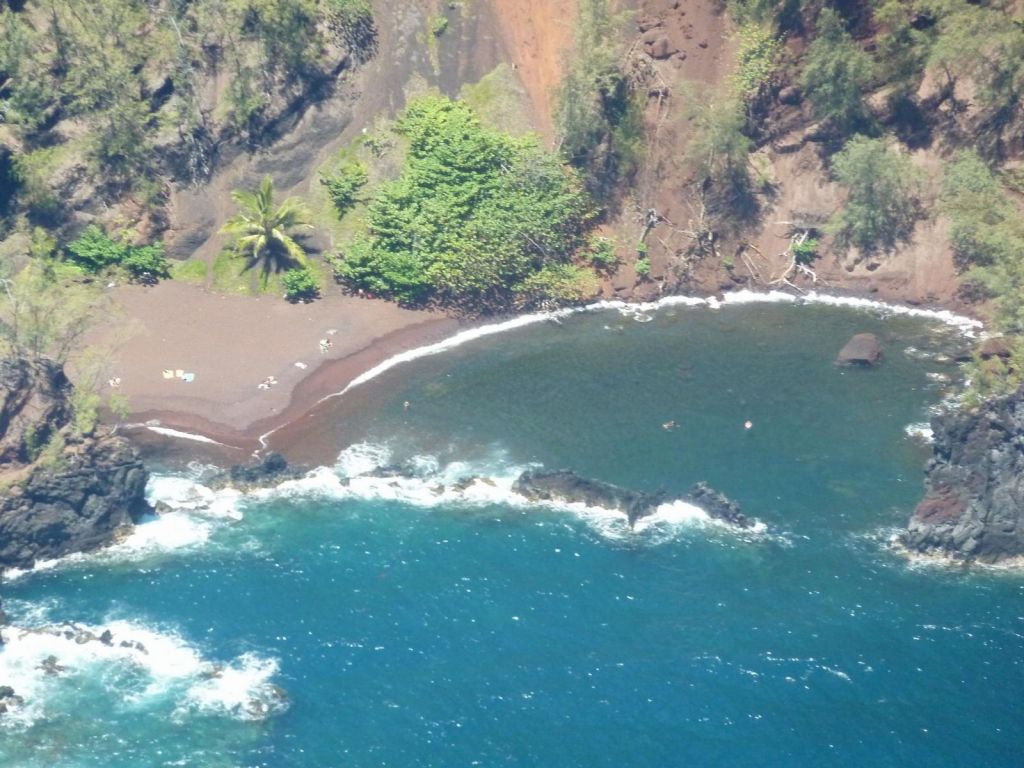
(920,431)
(136,666)
(462,485)
(188,515)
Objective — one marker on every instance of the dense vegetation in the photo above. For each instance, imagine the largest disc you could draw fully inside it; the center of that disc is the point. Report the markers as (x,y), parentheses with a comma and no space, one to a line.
(476,220)
(124,88)
(599,117)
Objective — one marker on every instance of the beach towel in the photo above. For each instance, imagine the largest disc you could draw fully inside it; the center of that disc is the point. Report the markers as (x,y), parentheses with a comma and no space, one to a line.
(168,373)
(301,365)
(178,373)
(188,377)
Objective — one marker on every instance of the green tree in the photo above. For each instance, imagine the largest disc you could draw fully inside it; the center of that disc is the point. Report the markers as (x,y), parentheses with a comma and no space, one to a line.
(40,317)
(987,235)
(473,214)
(835,73)
(882,203)
(343,185)
(719,149)
(262,231)
(599,121)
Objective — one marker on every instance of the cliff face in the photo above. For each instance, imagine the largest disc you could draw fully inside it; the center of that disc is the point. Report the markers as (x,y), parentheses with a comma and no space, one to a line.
(974,508)
(81,496)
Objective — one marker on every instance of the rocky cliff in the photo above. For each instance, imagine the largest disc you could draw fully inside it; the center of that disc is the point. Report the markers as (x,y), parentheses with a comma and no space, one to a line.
(974,507)
(74,496)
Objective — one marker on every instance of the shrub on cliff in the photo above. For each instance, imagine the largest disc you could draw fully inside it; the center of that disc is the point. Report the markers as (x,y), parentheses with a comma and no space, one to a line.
(835,73)
(473,214)
(882,203)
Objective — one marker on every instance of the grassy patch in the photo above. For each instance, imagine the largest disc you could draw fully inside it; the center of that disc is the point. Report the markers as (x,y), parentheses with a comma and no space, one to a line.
(230,275)
(191,271)
(499,101)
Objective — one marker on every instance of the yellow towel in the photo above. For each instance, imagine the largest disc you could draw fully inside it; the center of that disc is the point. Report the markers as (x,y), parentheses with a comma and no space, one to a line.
(168,373)
(178,373)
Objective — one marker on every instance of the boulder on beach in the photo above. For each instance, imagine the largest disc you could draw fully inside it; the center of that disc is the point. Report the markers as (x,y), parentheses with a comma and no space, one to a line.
(862,350)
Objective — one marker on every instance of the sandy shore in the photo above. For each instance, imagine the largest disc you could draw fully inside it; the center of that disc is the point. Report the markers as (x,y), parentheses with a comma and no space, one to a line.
(230,344)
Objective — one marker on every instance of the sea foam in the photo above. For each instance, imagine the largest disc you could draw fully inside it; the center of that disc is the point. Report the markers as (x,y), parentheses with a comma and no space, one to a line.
(431,484)
(135,666)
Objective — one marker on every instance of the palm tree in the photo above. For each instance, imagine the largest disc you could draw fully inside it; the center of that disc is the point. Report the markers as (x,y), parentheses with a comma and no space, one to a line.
(262,231)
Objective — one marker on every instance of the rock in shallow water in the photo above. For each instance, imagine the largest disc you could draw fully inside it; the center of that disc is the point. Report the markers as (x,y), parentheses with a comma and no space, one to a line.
(863,350)
(566,486)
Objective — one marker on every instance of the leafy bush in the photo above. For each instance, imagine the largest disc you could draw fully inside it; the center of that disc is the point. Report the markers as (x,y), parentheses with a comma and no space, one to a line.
(988,236)
(836,71)
(94,251)
(882,205)
(146,263)
(561,283)
(807,251)
(757,60)
(601,252)
(719,150)
(300,284)
(343,185)
(473,213)
(643,267)
(600,123)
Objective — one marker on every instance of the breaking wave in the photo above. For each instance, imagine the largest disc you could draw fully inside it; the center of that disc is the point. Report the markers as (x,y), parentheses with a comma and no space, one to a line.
(56,668)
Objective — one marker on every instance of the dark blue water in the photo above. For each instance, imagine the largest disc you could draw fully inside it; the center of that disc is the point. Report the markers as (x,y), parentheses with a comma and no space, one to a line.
(475,631)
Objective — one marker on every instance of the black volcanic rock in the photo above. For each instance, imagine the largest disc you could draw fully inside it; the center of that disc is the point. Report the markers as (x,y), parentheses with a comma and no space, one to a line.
(34,405)
(82,501)
(85,491)
(270,470)
(717,505)
(567,486)
(974,507)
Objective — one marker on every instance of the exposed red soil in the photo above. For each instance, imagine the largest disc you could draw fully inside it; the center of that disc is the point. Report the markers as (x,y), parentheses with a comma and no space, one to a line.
(537,35)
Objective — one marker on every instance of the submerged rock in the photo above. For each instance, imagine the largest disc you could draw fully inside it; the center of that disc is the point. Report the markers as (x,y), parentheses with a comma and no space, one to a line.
(974,506)
(566,486)
(863,350)
(270,470)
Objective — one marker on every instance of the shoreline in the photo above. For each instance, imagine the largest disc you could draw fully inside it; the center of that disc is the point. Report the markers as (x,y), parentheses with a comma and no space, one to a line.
(167,431)
(320,383)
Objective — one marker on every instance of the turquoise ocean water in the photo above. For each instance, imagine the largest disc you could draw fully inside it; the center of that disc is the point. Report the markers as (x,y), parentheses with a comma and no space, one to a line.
(441,621)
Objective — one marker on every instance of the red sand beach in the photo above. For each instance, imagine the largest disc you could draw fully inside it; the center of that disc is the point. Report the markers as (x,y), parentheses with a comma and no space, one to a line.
(231,344)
